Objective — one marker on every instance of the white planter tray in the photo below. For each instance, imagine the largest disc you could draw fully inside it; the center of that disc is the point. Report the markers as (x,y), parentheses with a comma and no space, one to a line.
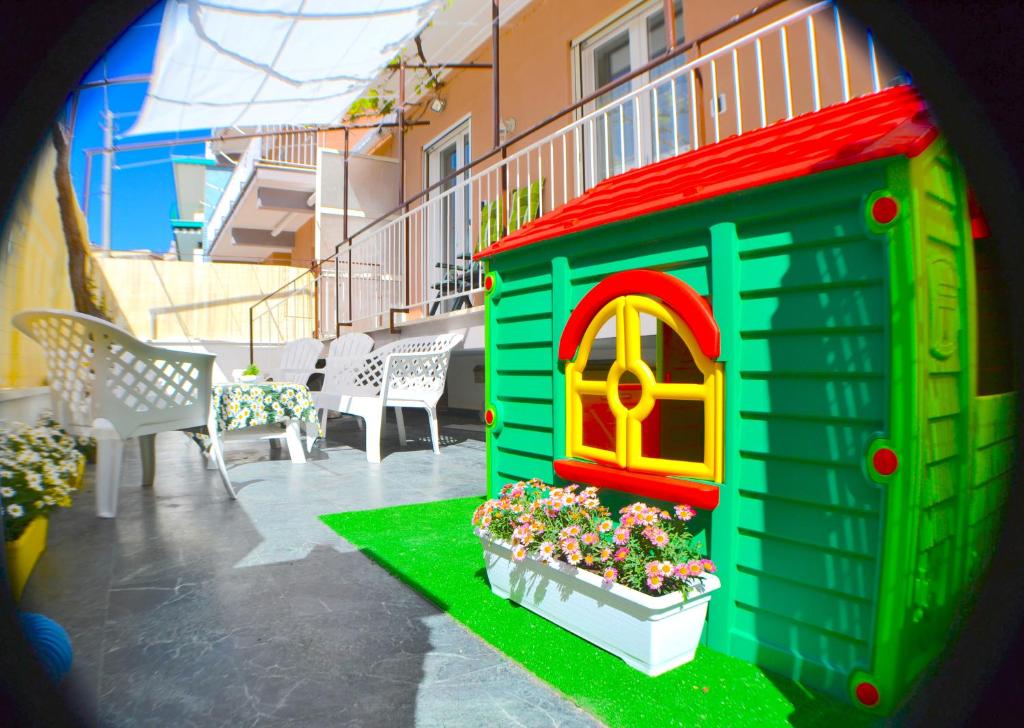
(652,634)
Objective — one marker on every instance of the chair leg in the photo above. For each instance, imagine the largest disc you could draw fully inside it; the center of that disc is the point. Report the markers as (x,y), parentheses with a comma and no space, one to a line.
(435,440)
(109,456)
(147,453)
(217,456)
(311,436)
(291,435)
(373,426)
(401,427)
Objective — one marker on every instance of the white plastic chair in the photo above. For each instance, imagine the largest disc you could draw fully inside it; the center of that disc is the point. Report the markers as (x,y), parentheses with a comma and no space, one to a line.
(405,373)
(107,384)
(353,344)
(298,361)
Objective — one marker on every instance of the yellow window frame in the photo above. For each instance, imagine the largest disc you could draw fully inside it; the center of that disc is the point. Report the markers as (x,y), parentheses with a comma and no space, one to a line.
(628,452)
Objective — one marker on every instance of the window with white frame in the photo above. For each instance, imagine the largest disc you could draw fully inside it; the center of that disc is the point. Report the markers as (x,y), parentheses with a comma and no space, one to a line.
(655,124)
(448,219)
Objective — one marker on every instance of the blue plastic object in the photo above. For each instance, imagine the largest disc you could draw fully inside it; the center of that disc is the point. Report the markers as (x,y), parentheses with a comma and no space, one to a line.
(50,642)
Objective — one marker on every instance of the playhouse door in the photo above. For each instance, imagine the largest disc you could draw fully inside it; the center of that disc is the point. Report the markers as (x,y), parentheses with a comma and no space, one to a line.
(449,244)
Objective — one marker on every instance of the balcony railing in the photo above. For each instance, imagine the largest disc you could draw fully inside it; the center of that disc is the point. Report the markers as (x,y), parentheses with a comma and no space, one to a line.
(283,147)
(289,313)
(418,263)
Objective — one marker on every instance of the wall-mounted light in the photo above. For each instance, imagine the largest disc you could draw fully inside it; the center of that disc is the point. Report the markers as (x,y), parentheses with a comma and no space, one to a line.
(438,104)
(506,127)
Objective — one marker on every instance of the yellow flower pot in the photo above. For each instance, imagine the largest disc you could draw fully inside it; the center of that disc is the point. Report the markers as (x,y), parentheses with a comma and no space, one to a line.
(23,554)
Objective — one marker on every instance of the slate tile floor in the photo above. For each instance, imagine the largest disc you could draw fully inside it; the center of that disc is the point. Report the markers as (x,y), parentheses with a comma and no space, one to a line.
(189,609)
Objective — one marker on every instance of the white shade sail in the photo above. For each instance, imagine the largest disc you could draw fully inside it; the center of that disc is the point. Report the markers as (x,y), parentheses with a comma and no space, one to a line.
(223,63)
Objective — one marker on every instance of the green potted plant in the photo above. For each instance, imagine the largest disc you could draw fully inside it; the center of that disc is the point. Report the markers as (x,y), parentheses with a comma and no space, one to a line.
(638,587)
(250,374)
(39,469)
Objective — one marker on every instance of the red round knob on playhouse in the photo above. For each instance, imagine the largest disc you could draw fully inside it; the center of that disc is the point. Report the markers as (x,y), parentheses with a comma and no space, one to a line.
(884,210)
(488,283)
(489,416)
(885,461)
(867,694)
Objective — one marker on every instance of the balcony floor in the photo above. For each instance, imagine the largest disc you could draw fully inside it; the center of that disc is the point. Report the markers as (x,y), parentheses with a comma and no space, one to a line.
(191,609)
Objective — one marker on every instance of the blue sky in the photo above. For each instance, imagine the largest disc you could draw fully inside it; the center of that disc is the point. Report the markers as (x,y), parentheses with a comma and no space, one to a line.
(143,185)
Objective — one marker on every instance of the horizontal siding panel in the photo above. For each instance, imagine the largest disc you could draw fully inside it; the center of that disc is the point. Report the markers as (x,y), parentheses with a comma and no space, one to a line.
(997,416)
(828,263)
(799,397)
(591,262)
(941,436)
(815,526)
(536,331)
(984,502)
(938,524)
(509,383)
(940,482)
(523,358)
(839,306)
(523,466)
(799,437)
(778,627)
(782,536)
(529,439)
(527,412)
(844,487)
(780,658)
(819,569)
(528,280)
(815,353)
(943,396)
(804,440)
(993,461)
(848,618)
(518,306)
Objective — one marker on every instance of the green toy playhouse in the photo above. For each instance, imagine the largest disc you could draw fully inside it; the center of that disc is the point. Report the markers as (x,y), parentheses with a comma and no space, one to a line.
(824,386)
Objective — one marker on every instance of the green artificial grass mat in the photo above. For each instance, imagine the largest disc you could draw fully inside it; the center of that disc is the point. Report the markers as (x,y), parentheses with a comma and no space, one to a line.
(431,547)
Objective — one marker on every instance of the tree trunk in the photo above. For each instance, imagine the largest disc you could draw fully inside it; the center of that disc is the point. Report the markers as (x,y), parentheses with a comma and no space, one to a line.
(77,246)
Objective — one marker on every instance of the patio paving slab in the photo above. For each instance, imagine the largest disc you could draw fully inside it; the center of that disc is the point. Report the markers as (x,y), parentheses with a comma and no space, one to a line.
(192,609)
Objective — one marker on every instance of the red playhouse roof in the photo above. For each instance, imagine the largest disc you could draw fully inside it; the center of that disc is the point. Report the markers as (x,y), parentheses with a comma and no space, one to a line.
(883,124)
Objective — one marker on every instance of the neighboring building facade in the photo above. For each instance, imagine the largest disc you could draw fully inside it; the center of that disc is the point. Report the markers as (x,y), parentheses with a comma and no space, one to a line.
(745,65)
(199,183)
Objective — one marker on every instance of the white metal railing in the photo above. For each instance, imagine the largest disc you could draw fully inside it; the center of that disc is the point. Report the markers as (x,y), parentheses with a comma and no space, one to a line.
(288,314)
(291,147)
(421,261)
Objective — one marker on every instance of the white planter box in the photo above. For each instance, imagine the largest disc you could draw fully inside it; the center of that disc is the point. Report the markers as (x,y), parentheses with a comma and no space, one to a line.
(652,634)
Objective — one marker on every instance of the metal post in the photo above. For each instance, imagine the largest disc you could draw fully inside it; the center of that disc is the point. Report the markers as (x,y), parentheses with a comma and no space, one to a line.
(495,75)
(344,193)
(344,236)
(670,25)
(88,180)
(108,171)
(252,356)
(401,173)
(401,132)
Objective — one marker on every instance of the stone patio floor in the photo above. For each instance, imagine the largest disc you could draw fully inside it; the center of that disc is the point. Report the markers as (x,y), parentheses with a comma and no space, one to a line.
(190,609)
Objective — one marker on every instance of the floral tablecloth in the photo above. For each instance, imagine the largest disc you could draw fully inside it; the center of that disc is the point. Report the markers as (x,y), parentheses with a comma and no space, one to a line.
(240,405)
